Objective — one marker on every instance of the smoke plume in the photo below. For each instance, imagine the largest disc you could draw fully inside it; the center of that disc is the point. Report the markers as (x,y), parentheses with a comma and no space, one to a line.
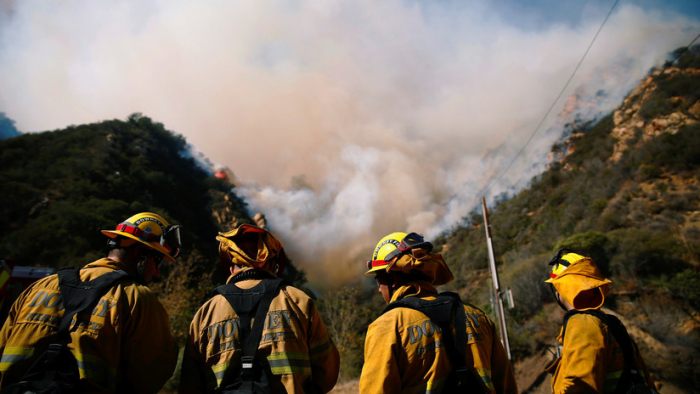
(342,120)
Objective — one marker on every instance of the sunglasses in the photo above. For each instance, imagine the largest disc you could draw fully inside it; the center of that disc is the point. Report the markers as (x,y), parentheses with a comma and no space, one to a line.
(156,256)
(383,279)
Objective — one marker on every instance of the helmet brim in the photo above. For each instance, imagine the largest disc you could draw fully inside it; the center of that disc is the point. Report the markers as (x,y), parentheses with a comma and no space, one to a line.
(154,246)
(374,270)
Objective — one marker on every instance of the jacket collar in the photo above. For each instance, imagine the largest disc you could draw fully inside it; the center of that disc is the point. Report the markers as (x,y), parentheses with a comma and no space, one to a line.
(417,288)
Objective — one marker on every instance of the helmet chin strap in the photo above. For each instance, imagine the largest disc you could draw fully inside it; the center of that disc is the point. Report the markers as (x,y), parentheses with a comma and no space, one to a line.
(556,297)
(141,266)
(392,290)
(393,287)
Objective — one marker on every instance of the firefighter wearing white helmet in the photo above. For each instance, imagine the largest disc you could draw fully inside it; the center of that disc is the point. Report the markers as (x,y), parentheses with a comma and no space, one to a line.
(407,349)
(292,351)
(126,344)
(597,353)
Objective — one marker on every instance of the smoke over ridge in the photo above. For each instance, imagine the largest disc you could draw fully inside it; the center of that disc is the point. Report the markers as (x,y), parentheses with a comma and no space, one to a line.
(343,121)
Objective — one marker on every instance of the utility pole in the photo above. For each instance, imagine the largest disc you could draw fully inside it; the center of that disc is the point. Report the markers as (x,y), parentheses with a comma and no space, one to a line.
(496,285)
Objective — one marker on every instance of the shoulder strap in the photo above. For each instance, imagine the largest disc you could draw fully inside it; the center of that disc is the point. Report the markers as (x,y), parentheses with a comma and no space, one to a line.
(446,309)
(593,312)
(246,302)
(438,310)
(79,296)
(619,332)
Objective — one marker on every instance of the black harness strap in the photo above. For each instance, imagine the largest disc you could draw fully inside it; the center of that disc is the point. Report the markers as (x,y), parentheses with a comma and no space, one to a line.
(445,310)
(57,367)
(631,372)
(246,303)
(79,296)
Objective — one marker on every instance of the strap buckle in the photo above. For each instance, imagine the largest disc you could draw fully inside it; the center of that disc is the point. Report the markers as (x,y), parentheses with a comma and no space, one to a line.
(53,352)
(247,367)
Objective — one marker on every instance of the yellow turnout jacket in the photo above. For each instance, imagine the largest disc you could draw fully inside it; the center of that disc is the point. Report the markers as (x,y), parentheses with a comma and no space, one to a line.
(592,361)
(404,353)
(125,347)
(301,356)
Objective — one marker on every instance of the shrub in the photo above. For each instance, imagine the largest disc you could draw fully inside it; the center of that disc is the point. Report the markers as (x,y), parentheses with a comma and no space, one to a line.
(182,289)
(655,107)
(649,171)
(590,244)
(639,253)
(526,281)
(347,313)
(686,285)
(598,205)
(688,57)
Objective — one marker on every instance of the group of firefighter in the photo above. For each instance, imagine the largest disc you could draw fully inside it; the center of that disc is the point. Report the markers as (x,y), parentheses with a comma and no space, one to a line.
(125,345)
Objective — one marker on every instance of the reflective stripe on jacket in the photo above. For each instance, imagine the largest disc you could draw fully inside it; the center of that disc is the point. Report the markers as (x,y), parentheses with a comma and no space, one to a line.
(301,355)
(404,351)
(592,361)
(126,345)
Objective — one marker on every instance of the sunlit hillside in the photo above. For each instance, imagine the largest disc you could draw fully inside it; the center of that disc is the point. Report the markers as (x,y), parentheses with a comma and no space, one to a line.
(625,191)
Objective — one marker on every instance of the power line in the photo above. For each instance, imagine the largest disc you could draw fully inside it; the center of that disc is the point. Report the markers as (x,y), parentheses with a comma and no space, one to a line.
(669,63)
(532,135)
(678,55)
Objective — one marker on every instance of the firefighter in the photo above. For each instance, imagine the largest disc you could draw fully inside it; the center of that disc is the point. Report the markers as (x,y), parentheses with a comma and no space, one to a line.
(407,352)
(295,351)
(126,346)
(6,266)
(592,360)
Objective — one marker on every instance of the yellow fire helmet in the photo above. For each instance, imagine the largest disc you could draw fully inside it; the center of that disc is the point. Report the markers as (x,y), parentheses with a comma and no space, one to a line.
(406,253)
(253,247)
(151,230)
(393,245)
(561,261)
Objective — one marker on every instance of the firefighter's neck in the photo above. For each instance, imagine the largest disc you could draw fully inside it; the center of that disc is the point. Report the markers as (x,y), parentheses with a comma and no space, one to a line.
(129,256)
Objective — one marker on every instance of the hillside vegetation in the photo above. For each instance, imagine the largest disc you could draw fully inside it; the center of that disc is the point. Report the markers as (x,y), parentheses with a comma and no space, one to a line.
(624,190)
(626,193)
(60,188)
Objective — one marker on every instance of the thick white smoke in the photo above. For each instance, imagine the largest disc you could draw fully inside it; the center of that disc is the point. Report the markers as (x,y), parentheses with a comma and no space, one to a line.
(342,120)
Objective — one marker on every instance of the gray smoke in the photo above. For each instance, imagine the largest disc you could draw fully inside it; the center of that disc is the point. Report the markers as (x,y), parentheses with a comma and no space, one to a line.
(343,121)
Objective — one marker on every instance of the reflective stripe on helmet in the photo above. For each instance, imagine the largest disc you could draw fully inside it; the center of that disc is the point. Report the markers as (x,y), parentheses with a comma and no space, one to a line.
(146,236)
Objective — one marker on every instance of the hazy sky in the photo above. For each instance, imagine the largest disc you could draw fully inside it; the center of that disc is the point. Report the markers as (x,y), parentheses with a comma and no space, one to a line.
(342,120)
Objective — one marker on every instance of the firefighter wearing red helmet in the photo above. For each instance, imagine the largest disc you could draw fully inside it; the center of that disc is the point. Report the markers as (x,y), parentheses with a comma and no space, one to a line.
(125,344)
(291,351)
(410,347)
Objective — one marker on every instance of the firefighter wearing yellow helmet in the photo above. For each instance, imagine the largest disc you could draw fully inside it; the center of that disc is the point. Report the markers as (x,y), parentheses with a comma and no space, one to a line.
(125,344)
(292,351)
(595,345)
(407,349)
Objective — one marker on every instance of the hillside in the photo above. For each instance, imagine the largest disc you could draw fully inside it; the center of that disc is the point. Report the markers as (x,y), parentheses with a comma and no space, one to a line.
(624,190)
(60,188)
